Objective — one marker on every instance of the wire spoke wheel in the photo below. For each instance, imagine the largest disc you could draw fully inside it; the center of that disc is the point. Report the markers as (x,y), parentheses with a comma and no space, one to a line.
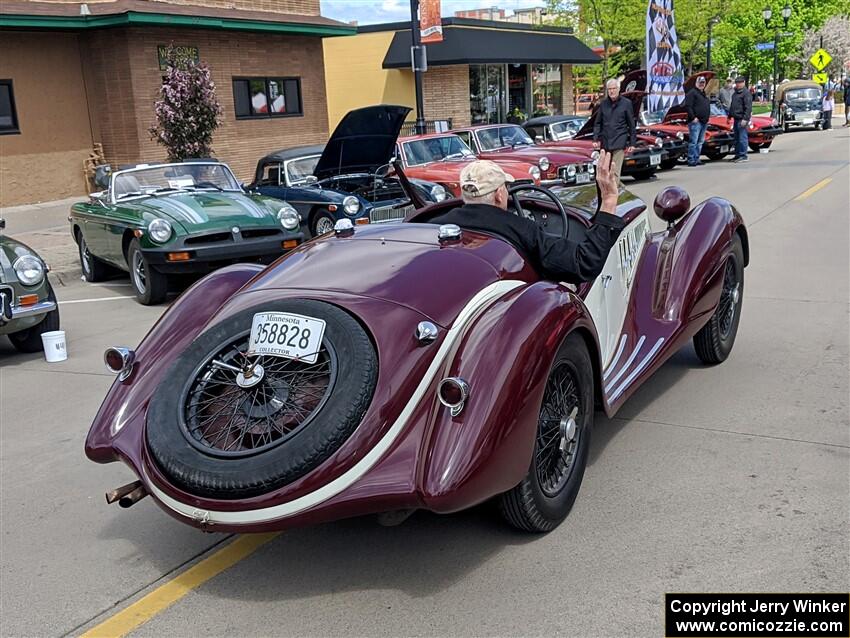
(138,272)
(557,433)
(728,299)
(239,404)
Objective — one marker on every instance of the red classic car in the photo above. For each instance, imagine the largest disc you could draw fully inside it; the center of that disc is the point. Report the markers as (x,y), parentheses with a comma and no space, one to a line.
(385,369)
(440,157)
(761,130)
(718,140)
(651,150)
(508,141)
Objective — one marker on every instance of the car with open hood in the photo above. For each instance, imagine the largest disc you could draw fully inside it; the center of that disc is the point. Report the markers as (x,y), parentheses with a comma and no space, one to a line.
(27,302)
(718,142)
(386,369)
(160,220)
(346,178)
(558,167)
(651,151)
(799,104)
(440,157)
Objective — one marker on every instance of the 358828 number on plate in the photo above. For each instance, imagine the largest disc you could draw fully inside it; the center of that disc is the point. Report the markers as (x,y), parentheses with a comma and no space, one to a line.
(283,334)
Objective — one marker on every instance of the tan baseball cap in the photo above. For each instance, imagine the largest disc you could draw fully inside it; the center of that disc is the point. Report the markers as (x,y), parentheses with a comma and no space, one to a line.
(482,177)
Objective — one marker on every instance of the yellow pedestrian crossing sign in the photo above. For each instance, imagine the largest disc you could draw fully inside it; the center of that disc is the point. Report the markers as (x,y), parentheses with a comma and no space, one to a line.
(820,78)
(820,59)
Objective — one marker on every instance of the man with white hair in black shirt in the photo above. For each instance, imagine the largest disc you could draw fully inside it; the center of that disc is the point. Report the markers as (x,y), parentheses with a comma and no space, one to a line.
(614,128)
(484,188)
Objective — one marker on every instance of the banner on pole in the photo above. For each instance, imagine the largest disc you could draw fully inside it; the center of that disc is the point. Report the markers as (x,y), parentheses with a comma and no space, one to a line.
(665,77)
(430,22)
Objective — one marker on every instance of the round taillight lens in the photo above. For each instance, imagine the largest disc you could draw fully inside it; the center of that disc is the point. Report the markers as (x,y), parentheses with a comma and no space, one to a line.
(453,392)
(114,360)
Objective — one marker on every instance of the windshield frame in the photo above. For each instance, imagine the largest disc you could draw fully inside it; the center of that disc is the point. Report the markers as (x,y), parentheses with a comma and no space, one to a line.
(791,97)
(288,181)
(501,127)
(147,167)
(406,155)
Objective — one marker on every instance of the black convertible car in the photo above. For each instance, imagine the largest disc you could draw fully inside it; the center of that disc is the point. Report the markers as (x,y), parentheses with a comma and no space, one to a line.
(345,178)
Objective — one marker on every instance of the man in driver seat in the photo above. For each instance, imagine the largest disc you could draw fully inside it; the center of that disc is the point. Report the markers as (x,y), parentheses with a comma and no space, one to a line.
(484,188)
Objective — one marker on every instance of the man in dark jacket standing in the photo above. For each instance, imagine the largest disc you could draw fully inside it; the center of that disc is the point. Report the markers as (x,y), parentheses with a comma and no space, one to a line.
(614,128)
(741,110)
(696,102)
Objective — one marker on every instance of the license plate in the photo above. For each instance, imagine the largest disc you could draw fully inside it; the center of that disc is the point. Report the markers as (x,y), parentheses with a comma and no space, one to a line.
(582,178)
(283,334)
(654,159)
(724,148)
(808,120)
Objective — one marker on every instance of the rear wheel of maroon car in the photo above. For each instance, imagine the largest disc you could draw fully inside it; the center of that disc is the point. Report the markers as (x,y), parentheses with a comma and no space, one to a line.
(229,425)
(714,341)
(545,496)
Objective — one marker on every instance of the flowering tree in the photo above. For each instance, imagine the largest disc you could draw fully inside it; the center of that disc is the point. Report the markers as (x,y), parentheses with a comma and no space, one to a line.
(187,110)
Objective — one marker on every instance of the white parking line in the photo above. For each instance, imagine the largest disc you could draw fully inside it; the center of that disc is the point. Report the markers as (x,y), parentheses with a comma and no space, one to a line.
(70,301)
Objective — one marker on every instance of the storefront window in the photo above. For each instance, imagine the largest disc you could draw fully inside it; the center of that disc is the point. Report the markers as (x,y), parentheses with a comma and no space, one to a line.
(487,93)
(517,93)
(8,117)
(546,89)
(266,97)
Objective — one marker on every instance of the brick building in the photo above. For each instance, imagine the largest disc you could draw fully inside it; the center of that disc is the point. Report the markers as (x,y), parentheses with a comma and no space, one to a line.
(75,75)
(482,72)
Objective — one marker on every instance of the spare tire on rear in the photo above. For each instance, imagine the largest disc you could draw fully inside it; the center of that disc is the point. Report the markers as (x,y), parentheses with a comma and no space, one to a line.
(217,435)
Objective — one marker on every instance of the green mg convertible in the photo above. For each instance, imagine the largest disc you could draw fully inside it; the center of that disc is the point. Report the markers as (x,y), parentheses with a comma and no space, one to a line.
(157,220)
(27,303)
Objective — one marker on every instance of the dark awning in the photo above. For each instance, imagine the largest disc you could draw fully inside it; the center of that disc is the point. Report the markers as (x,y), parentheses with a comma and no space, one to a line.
(493,46)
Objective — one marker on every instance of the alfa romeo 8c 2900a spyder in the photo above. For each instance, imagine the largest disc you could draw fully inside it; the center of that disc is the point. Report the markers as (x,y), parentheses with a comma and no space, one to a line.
(386,369)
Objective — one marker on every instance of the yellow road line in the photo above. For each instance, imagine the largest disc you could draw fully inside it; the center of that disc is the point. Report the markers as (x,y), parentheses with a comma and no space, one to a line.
(169,593)
(813,189)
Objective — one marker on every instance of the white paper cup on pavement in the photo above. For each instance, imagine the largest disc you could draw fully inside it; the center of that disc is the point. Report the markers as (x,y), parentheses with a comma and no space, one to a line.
(54,346)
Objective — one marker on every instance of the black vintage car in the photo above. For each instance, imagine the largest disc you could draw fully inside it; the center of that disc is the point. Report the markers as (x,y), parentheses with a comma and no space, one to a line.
(348,176)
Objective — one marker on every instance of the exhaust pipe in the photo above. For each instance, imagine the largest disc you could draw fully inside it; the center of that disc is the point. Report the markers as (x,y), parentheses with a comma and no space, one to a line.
(120,492)
(128,500)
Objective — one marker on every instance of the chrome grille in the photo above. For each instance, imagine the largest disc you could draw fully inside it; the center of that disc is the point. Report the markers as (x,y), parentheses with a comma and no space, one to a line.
(580,168)
(384,214)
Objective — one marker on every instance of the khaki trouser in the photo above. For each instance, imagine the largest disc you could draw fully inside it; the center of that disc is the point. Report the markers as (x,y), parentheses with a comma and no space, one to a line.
(617,161)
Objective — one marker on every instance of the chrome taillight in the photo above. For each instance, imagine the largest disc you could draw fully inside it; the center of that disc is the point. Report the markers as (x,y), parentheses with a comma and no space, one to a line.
(453,392)
(119,361)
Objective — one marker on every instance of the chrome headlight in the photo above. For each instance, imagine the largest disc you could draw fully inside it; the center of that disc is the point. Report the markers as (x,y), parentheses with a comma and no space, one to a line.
(571,170)
(751,126)
(591,168)
(438,193)
(159,230)
(594,155)
(29,269)
(544,164)
(351,205)
(534,172)
(288,217)
(680,135)
(659,142)
(789,110)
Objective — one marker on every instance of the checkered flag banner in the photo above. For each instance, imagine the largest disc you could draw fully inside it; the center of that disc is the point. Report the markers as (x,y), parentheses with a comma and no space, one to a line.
(664,74)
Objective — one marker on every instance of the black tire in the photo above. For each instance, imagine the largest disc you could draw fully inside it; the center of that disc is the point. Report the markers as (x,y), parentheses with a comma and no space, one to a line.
(150,285)
(785,127)
(756,147)
(29,340)
(530,506)
(197,465)
(642,175)
(323,222)
(715,155)
(93,269)
(669,163)
(714,341)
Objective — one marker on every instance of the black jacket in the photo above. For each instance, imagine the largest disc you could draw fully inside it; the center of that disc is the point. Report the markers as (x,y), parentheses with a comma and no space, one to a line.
(698,105)
(614,127)
(742,105)
(552,257)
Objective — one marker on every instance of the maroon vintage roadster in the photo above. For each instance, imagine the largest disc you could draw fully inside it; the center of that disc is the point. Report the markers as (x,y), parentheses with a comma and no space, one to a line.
(412,366)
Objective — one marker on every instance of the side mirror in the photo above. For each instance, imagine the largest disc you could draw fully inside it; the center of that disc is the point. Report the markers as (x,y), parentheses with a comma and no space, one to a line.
(98,197)
(538,139)
(671,204)
(311,179)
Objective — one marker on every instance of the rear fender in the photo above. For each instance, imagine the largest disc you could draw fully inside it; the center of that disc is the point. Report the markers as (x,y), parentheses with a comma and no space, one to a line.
(691,255)
(177,327)
(505,358)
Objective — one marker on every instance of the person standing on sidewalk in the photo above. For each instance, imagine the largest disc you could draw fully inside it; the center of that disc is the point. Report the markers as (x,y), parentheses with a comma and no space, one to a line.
(741,110)
(827,107)
(846,101)
(614,129)
(725,95)
(697,104)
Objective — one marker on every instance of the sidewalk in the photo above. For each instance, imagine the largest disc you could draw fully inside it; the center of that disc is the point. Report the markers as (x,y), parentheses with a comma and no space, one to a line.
(44,228)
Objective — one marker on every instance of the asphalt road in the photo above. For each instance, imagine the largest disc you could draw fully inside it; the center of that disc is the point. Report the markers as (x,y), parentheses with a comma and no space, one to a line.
(730,478)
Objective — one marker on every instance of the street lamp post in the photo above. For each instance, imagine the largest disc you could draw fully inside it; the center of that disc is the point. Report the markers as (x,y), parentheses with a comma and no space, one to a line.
(417,53)
(711,23)
(767,14)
